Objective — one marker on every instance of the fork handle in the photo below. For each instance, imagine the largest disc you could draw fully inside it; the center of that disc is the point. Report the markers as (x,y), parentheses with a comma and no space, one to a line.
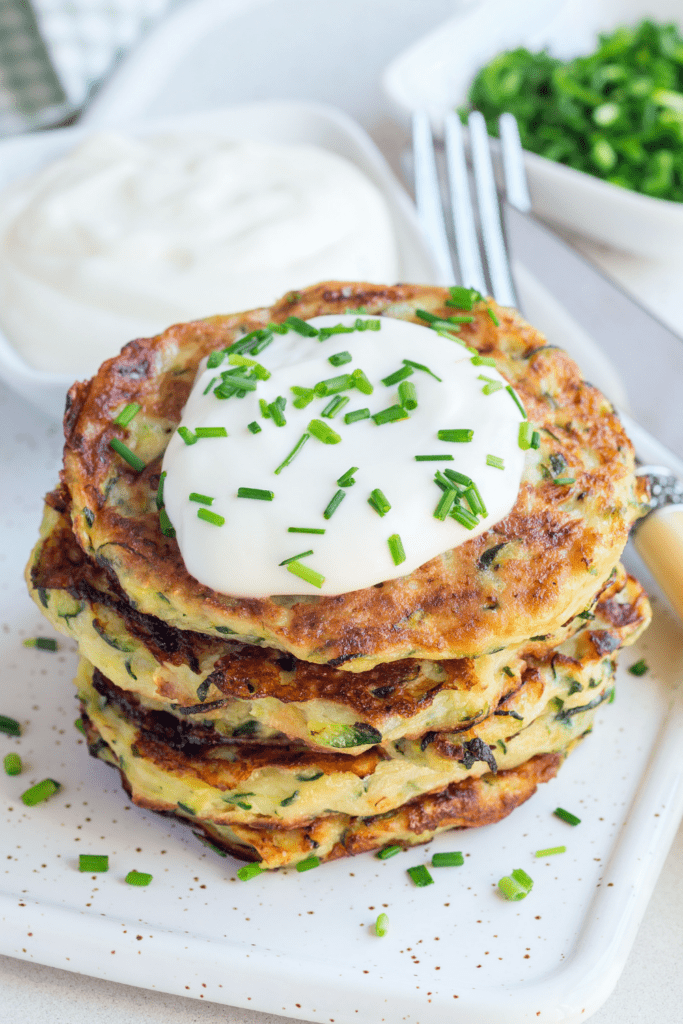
(659,542)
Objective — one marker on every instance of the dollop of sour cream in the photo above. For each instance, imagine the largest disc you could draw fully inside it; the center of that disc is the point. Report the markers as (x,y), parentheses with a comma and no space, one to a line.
(124,236)
(240,548)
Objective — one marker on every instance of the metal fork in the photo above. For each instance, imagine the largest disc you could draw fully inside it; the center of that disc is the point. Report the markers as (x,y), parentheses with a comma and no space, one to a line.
(476,229)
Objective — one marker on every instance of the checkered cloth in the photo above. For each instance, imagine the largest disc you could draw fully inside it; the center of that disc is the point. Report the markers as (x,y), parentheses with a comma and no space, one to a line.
(54,53)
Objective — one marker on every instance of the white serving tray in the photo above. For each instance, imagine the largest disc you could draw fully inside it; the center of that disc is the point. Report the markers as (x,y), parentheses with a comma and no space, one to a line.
(435,73)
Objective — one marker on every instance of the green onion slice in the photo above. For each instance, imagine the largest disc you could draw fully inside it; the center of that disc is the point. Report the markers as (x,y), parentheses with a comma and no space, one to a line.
(303,529)
(254,427)
(334,504)
(301,327)
(448,860)
(334,406)
(210,517)
(496,462)
(12,764)
(41,791)
(421,366)
(133,460)
(420,876)
(458,436)
(389,851)
(138,878)
(346,479)
(513,395)
(434,458)
(381,925)
(128,413)
(639,668)
(294,558)
(202,499)
(357,414)
(361,382)
(567,816)
(255,492)
(511,889)
(483,361)
(310,862)
(9,726)
(160,490)
(396,548)
(340,358)
(551,851)
(304,572)
(407,395)
(398,375)
(249,871)
(165,524)
(93,862)
(42,643)
(187,435)
(211,432)
(379,502)
(294,452)
(323,432)
(390,415)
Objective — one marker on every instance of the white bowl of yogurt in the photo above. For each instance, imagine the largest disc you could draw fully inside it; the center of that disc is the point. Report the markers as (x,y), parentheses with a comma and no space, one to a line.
(107,236)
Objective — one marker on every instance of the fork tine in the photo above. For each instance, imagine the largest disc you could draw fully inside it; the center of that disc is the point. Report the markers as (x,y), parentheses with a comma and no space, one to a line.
(428,197)
(516,187)
(489,213)
(467,248)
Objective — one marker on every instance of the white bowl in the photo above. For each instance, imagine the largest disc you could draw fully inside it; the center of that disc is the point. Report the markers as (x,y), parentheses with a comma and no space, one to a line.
(435,73)
(277,121)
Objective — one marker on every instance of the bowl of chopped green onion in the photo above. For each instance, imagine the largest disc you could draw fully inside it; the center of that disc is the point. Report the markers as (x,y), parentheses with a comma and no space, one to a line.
(597,90)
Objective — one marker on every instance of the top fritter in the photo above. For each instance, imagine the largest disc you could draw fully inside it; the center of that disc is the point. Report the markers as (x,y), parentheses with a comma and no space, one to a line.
(523,577)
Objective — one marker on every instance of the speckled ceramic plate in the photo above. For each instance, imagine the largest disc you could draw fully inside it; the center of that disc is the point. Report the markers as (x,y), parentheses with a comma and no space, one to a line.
(303,944)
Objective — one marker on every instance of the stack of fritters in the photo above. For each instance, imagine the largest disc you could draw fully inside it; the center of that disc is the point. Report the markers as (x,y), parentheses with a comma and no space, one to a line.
(300,725)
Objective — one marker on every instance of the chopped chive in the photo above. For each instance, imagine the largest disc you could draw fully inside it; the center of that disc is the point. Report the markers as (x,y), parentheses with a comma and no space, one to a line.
(215,359)
(328,332)
(511,889)
(495,462)
(421,366)
(276,410)
(160,490)
(483,361)
(41,791)
(357,414)
(9,726)
(462,516)
(367,325)
(165,524)
(381,925)
(639,668)
(535,440)
(564,481)
(396,548)
(334,504)
(301,327)
(463,298)
(323,432)
(508,671)
(305,573)
(210,517)
(254,427)
(390,415)
(346,479)
(340,358)
(567,816)
(492,387)
(420,876)
(303,529)
(445,503)
(513,395)
(474,500)
(551,851)
(265,411)
(526,432)
(133,460)
(333,385)
(187,435)
(361,382)
(407,395)
(255,492)
(459,478)
(138,878)
(459,436)
(211,432)
(398,375)
(433,458)
(379,502)
(389,851)
(260,371)
(293,558)
(492,315)
(79,725)
(310,862)
(128,413)
(441,481)
(12,764)
(202,499)
(335,405)
(43,643)
(448,860)
(304,396)
(209,385)
(93,862)
(521,876)
(249,871)
(294,452)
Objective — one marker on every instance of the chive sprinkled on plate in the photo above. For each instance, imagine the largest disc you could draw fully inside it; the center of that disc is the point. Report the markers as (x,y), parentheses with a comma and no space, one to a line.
(12,764)
(457,436)
(513,395)
(334,504)
(535,440)
(93,862)
(276,410)
(346,479)
(128,413)
(361,382)
(133,460)
(187,435)
(301,327)
(304,572)
(459,478)
(357,414)
(493,317)
(463,298)
(495,462)
(340,358)
(323,432)
(211,432)
(293,454)
(210,517)
(639,668)
(564,481)
(79,725)
(420,876)
(434,458)
(567,816)
(396,548)
(41,791)
(254,427)
(256,493)
(448,860)
(304,396)
(379,502)
(333,385)
(202,499)
(421,366)
(138,878)
(165,524)
(308,864)
(390,415)
(381,925)
(389,851)
(525,435)
(249,871)
(42,643)
(397,376)
(551,851)
(304,529)
(335,405)
(465,518)
(407,395)
(483,361)
(294,558)
(512,888)
(160,490)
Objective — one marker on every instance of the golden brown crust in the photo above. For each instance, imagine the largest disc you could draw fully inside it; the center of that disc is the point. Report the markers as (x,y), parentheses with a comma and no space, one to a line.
(560,540)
